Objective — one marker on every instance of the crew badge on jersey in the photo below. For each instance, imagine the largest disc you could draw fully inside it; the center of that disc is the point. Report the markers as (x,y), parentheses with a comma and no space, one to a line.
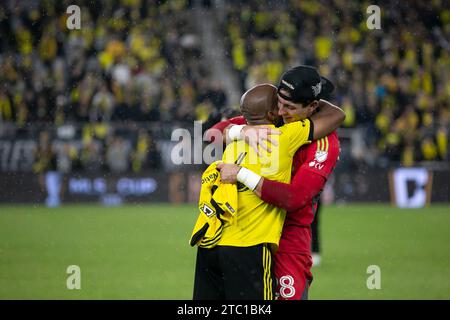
(321,154)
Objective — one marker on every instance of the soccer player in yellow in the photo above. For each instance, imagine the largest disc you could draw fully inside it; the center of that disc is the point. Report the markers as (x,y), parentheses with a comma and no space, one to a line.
(240,265)
(257,221)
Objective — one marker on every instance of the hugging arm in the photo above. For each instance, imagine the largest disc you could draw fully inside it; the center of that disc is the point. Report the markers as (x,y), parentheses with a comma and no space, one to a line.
(327,119)
(303,188)
(224,126)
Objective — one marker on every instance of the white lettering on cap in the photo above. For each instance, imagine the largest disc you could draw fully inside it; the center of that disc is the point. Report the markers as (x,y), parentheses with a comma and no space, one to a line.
(316,89)
(288,84)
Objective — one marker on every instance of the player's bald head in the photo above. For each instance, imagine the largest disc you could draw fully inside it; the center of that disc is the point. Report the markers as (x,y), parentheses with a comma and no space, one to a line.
(257,102)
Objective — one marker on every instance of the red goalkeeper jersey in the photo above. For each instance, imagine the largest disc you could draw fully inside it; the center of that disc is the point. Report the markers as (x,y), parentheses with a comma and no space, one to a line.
(312,165)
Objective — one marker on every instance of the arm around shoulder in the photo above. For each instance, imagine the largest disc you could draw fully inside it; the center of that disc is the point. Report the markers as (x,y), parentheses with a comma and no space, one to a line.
(327,119)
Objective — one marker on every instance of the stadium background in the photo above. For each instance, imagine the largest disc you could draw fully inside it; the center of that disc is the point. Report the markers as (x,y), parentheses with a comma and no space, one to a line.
(95,108)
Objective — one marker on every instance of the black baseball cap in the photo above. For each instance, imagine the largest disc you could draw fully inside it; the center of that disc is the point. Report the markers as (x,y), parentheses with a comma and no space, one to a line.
(304,84)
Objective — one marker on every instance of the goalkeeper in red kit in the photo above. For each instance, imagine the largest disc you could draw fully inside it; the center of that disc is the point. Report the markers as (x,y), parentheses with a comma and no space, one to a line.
(299,94)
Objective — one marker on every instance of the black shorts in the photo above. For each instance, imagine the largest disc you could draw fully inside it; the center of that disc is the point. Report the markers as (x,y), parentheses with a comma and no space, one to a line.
(234,273)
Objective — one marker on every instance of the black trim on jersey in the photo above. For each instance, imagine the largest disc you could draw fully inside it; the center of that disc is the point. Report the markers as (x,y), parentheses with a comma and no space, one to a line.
(199,234)
(211,242)
(219,210)
(311,130)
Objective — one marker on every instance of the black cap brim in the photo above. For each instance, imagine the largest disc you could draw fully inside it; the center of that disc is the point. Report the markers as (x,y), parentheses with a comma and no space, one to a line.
(327,88)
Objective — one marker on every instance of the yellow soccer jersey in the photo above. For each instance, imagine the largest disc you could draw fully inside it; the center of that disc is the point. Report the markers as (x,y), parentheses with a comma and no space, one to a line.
(257,221)
(216,199)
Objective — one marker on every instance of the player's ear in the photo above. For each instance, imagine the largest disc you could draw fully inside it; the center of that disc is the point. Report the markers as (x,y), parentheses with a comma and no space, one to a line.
(271,116)
(314,105)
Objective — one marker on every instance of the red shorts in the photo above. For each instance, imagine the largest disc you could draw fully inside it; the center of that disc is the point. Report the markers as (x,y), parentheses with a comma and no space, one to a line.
(293,274)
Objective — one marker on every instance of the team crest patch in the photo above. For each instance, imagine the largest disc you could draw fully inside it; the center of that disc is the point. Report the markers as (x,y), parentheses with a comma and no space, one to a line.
(321,156)
(207,210)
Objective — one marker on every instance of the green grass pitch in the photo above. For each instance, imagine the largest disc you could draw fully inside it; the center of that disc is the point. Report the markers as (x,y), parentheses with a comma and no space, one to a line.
(142,252)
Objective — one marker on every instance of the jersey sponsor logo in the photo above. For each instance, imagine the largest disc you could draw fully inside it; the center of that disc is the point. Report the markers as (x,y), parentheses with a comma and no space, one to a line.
(212,177)
(316,165)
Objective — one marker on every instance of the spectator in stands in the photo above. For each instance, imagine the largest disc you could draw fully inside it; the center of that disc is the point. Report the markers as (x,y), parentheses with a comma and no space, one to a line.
(102,105)
(382,77)
(91,156)
(46,167)
(141,61)
(118,155)
(6,111)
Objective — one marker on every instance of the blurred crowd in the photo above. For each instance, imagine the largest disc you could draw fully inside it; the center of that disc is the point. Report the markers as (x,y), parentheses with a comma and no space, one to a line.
(137,61)
(114,154)
(393,83)
(131,61)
